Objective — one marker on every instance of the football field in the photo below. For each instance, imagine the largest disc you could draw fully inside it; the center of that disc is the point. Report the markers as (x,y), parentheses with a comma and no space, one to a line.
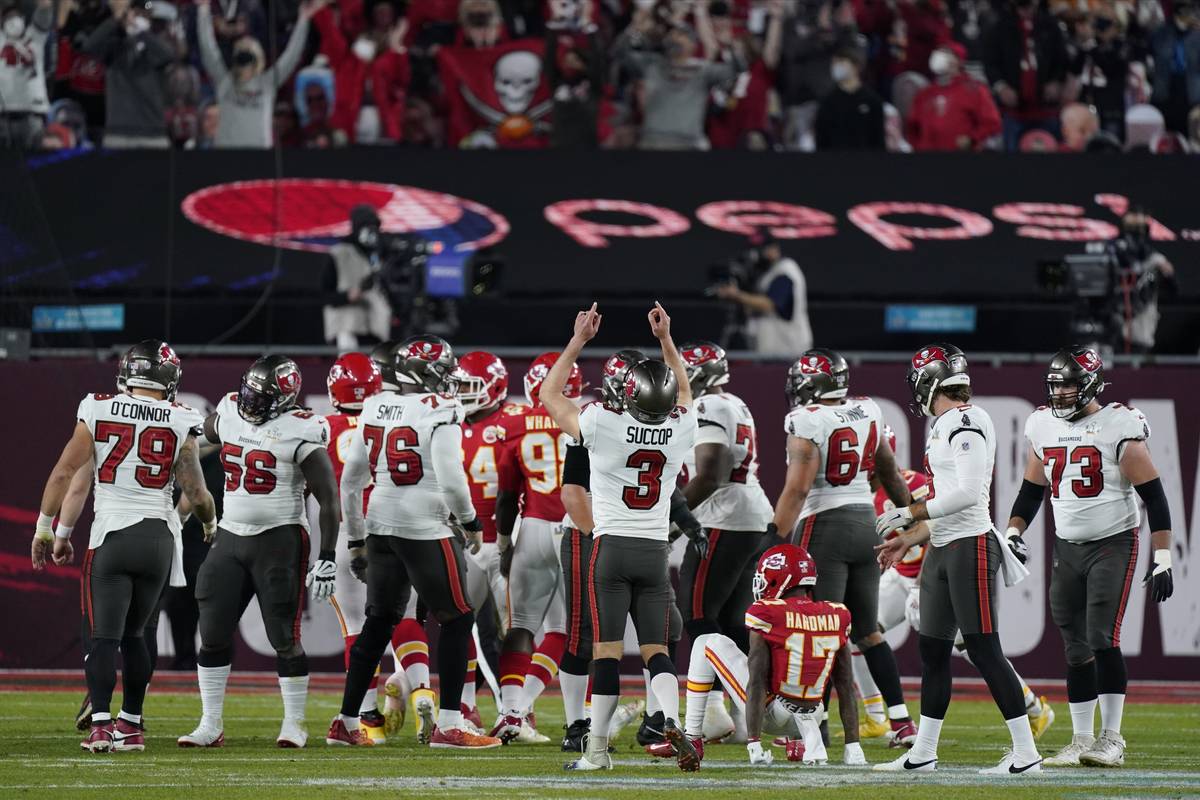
(42,759)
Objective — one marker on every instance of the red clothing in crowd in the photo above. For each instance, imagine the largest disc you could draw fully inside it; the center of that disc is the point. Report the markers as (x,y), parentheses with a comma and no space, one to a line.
(350,74)
(389,82)
(423,12)
(939,115)
(926,29)
(726,129)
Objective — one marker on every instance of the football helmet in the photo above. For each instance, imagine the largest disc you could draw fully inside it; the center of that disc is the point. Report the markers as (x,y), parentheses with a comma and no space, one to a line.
(651,392)
(269,388)
(818,374)
(150,364)
(707,366)
(482,380)
(384,356)
(935,367)
(889,436)
(538,371)
(427,361)
(616,368)
(353,378)
(1074,368)
(783,567)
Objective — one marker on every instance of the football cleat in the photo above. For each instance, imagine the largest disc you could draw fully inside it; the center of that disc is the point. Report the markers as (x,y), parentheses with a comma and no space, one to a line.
(203,736)
(459,739)
(83,717)
(1108,751)
(853,755)
(1008,767)
(623,716)
(780,741)
(575,732)
(529,734)
(373,725)
(904,764)
(128,737)
(508,726)
(904,733)
(395,702)
(1069,755)
(471,715)
(592,758)
(718,725)
(873,728)
(424,702)
(292,734)
(341,736)
(650,731)
(100,738)
(688,752)
(1041,717)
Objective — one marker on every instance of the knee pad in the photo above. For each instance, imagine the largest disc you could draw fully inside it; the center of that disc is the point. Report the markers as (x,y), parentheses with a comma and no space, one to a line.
(573,664)
(699,626)
(291,666)
(606,676)
(214,656)
(660,663)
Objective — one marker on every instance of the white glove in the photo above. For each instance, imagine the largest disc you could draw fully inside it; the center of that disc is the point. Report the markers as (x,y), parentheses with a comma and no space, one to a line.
(758,756)
(320,579)
(894,520)
(852,755)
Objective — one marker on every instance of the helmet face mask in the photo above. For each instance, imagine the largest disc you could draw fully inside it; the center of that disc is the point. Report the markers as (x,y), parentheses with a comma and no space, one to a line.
(818,374)
(1074,379)
(616,369)
(269,388)
(781,569)
(540,368)
(482,381)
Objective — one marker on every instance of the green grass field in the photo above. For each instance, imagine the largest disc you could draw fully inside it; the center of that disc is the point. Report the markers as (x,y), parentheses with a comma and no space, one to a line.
(42,759)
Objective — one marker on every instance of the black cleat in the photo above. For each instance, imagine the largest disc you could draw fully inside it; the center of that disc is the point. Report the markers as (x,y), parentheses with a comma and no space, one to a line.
(83,717)
(651,729)
(573,739)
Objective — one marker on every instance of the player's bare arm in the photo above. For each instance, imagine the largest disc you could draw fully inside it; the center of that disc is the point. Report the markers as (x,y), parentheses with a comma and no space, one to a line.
(507,508)
(713,462)
(660,326)
(76,453)
(759,668)
(579,506)
(190,478)
(565,413)
(68,515)
(891,552)
(804,459)
(1138,469)
(318,473)
(210,430)
(889,475)
(843,682)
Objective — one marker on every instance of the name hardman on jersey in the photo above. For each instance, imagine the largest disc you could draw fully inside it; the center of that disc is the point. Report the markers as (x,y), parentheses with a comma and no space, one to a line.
(1082,462)
(264,484)
(963,427)
(847,436)
(633,469)
(739,503)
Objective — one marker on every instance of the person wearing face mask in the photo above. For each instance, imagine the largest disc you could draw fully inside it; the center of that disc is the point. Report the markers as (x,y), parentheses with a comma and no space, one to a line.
(955,112)
(1142,273)
(850,117)
(23,75)
(575,69)
(246,91)
(357,306)
(1176,49)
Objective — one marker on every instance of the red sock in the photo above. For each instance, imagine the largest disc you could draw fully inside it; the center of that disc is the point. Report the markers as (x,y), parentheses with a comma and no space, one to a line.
(513,667)
(410,643)
(349,641)
(545,660)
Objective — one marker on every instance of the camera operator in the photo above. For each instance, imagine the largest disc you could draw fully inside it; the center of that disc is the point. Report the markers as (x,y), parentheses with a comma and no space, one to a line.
(1141,272)
(357,304)
(776,303)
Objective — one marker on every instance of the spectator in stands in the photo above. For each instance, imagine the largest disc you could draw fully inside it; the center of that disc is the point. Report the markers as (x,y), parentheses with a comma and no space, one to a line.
(285,125)
(208,121)
(247,92)
(1025,60)
(969,19)
(233,20)
(922,26)
(391,74)
(778,306)
(1176,49)
(135,61)
(740,117)
(183,98)
(23,100)
(1100,67)
(575,67)
(480,23)
(851,116)
(955,112)
(1079,124)
(79,76)
(1144,272)
(810,38)
(353,64)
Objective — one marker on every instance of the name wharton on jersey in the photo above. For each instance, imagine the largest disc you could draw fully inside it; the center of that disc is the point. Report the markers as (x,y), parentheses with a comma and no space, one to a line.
(659,436)
(140,411)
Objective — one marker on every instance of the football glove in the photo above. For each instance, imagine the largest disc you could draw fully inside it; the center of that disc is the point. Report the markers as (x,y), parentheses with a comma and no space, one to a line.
(1158,576)
(893,520)
(758,756)
(210,529)
(321,576)
(697,539)
(472,534)
(358,559)
(1016,544)
(772,532)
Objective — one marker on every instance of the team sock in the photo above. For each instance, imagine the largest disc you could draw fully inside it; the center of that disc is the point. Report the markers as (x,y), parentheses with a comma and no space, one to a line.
(468,692)
(652,706)
(573,680)
(1083,718)
(411,648)
(212,682)
(1024,750)
(928,734)
(295,692)
(513,666)
(543,666)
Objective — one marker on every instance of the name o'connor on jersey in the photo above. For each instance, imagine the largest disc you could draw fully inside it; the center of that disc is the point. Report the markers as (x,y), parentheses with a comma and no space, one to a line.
(129,410)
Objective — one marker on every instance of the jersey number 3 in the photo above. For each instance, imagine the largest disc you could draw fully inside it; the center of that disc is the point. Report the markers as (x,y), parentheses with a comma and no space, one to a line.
(649,464)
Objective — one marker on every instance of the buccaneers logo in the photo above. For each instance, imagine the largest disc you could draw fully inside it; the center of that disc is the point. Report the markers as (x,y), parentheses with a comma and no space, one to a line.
(630,385)
(815,365)
(928,356)
(167,354)
(614,365)
(1089,360)
(700,354)
(288,379)
(426,351)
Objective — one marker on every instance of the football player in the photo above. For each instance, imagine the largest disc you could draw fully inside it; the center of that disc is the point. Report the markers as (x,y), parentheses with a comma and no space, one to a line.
(797,644)
(271,451)
(352,379)
(632,454)
(141,442)
(411,443)
(834,445)
(958,578)
(1095,460)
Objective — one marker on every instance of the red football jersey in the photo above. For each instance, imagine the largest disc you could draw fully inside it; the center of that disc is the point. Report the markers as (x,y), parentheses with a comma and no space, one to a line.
(918,486)
(483,443)
(341,431)
(532,464)
(804,636)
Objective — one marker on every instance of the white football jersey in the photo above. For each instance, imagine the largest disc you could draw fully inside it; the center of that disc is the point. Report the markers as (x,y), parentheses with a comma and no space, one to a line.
(396,431)
(264,484)
(739,503)
(847,436)
(136,442)
(633,469)
(1082,461)
(956,428)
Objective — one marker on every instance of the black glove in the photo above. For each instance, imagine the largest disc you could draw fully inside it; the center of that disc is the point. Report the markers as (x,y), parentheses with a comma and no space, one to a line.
(474,526)
(772,532)
(1017,545)
(698,539)
(1158,576)
(358,559)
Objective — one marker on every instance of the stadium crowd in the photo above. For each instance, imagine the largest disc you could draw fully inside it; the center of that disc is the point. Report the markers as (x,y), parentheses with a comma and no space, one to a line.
(902,75)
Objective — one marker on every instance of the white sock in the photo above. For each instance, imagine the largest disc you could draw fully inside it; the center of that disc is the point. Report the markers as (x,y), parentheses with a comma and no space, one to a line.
(136,719)
(697,702)
(716,697)
(351,723)
(448,720)
(603,706)
(652,706)
(468,692)
(418,675)
(510,696)
(898,711)
(1112,708)
(928,733)
(1024,750)
(1083,718)
(574,690)
(295,693)
(531,692)
(666,690)
(101,716)
(212,694)
(739,720)
(370,701)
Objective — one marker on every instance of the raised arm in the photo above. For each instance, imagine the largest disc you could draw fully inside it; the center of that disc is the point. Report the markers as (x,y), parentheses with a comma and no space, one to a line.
(210,52)
(660,326)
(564,412)
(286,64)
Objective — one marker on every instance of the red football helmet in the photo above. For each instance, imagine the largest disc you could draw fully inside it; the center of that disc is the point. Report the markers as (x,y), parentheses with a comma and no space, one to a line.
(353,378)
(783,567)
(482,380)
(538,371)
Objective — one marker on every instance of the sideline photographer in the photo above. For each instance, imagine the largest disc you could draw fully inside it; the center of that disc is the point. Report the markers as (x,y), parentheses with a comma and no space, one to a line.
(775,299)
(1142,272)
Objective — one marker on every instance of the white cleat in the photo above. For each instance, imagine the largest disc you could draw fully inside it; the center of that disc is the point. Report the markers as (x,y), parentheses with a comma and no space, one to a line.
(624,715)
(1108,751)
(718,725)
(1069,755)
(203,736)
(853,756)
(1009,768)
(592,758)
(292,734)
(905,764)
(529,734)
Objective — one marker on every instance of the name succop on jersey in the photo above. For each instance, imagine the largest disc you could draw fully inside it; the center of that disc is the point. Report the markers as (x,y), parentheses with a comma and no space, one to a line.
(264,483)
(739,502)
(804,636)
(847,436)
(1090,497)
(964,428)
(633,469)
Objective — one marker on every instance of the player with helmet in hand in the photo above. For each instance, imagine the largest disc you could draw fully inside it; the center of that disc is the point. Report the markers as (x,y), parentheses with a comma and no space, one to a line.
(272,450)
(958,578)
(410,442)
(1095,460)
(141,442)
(834,446)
